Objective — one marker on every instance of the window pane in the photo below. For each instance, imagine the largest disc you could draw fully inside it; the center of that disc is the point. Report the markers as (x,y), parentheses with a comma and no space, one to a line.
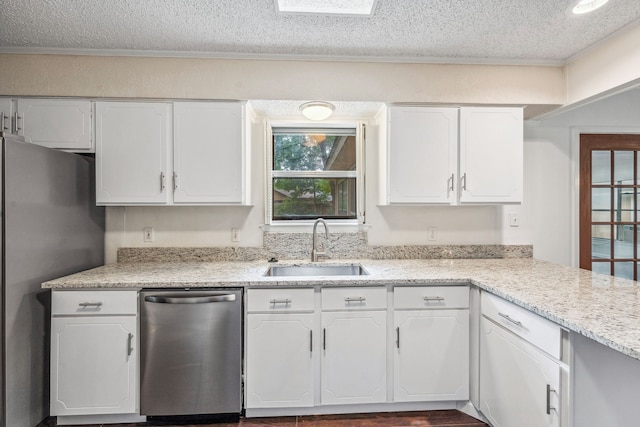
(623,269)
(601,267)
(314,152)
(623,245)
(601,204)
(601,167)
(600,241)
(311,198)
(623,204)
(623,167)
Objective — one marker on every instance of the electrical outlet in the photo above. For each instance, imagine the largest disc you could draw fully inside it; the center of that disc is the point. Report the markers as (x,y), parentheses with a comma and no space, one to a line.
(148,234)
(432,234)
(514,220)
(235,234)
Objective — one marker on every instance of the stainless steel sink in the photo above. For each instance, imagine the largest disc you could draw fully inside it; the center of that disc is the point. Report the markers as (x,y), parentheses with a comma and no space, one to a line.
(316,270)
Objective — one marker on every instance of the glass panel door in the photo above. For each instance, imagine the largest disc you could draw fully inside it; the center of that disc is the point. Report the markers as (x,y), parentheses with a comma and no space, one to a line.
(609,241)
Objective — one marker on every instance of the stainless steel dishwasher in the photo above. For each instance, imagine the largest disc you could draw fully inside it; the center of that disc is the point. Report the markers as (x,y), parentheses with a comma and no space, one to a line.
(191,352)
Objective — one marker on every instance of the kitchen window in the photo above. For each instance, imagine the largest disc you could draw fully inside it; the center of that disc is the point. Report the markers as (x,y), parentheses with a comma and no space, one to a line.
(314,173)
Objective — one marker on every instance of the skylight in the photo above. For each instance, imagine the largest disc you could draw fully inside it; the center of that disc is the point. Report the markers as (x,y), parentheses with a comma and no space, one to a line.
(327,7)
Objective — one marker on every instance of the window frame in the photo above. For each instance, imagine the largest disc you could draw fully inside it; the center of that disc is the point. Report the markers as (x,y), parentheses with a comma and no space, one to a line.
(358,174)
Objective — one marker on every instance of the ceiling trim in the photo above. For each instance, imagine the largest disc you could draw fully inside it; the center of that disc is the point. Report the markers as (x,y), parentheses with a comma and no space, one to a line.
(274,57)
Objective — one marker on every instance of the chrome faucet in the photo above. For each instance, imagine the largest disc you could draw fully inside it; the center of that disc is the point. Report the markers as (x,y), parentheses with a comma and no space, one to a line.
(314,250)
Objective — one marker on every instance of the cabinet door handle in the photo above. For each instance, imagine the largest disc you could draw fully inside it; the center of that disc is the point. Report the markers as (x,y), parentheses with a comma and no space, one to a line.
(324,338)
(162,182)
(17,127)
(510,319)
(398,337)
(433,299)
(285,301)
(450,182)
(2,121)
(175,181)
(463,181)
(129,346)
(355,299)
(90,304)
(549,407)
(311,341)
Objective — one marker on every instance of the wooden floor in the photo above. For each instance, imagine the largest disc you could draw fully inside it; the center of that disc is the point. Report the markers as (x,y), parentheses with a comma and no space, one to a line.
(393,419)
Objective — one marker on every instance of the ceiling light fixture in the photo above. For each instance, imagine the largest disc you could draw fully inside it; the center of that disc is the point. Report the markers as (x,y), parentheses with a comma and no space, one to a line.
(317,110)
(324,7)
(586,6)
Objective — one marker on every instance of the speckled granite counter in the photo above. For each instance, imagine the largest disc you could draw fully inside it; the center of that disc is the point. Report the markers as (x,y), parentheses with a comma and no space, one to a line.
(603,308)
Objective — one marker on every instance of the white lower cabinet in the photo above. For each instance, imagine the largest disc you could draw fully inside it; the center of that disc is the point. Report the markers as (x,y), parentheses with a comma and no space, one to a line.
(354,357)
(94,368)
(519,384)
(431,348)
(280,360)
(431,357)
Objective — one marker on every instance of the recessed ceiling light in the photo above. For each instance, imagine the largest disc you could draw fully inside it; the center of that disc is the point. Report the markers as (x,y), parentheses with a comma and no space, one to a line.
(330,7)
(586,6)
(317,110)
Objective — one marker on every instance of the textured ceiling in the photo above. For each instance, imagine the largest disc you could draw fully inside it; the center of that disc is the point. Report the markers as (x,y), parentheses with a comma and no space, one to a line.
(540,31)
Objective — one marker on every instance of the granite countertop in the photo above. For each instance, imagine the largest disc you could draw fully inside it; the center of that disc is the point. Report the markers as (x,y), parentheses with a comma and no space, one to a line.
(604,308)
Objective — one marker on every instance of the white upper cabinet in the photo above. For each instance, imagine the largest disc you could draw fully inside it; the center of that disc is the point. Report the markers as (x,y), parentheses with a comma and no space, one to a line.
(55,123)
(422,155)
(6,114)
(452,156)
(491,158)
(208,152)
(131,152)
(171,153)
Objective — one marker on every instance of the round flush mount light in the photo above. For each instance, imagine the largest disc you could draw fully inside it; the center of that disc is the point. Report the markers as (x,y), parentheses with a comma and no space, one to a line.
(586,6)
(317,110)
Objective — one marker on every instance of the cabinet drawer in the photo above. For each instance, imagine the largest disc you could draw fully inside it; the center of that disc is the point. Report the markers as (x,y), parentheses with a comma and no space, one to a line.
(354,298)
(539,331)
(276,300)
(94,302)
(431,297)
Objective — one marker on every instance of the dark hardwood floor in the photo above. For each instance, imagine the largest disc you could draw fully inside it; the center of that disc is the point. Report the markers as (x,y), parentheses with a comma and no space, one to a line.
(391,419)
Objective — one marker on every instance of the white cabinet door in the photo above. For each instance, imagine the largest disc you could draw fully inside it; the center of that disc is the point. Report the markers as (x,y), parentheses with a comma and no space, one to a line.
(518,384)
(280,360)
(422,154)
(431,355)
(56,123)
(208,152)
(93,365)
(131,153)
(354,357)
(6,114)
(491,155)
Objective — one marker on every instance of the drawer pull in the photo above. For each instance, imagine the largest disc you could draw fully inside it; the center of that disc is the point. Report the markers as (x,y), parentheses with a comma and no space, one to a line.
(90,304)
(285,301)
(354,299)
(433,299)
(507,317)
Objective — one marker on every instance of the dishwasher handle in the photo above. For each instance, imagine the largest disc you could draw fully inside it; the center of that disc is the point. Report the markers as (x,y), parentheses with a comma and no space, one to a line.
(188,299)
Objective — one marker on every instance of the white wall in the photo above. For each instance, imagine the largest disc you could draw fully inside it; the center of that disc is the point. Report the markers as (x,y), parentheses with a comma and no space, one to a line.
(611,64)
(552,180)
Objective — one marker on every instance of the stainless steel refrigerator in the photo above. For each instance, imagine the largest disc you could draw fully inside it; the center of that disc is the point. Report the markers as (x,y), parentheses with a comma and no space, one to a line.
(50,227)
